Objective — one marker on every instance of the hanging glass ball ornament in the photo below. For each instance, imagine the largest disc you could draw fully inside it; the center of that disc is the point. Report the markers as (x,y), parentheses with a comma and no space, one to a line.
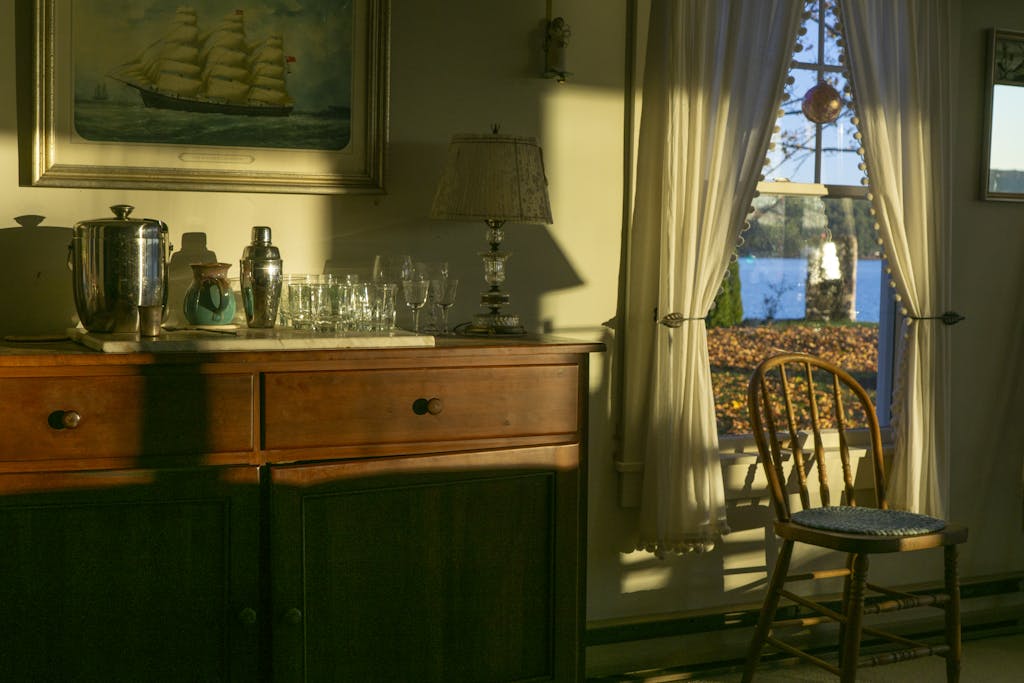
(822,103)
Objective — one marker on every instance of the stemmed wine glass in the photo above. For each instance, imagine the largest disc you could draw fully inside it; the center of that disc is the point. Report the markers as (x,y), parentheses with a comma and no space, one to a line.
(415,293)
(431,270)
(392,268)
(443,293)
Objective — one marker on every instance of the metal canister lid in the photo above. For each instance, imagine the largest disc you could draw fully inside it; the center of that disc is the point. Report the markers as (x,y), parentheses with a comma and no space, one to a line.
(122,223)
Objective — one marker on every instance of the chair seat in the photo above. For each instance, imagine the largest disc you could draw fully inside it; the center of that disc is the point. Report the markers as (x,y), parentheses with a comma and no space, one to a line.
(898,535)
(867,520)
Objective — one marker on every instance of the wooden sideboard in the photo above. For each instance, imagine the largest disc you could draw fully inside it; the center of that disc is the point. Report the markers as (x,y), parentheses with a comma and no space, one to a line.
(410,514)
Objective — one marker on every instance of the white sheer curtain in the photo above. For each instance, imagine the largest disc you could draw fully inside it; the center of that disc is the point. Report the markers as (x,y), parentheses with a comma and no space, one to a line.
(901,56)
(713,79)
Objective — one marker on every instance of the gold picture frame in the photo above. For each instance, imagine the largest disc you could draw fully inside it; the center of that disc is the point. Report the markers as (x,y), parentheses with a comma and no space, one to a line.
(187,155)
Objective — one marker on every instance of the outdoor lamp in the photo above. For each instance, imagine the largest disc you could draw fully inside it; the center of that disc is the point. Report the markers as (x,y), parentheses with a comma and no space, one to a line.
(497,179)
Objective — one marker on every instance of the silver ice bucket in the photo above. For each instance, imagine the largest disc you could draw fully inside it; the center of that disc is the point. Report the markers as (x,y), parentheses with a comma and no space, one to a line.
(118,264)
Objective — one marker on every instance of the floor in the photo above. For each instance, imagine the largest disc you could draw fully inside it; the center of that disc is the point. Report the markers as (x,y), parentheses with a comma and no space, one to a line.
(989,660)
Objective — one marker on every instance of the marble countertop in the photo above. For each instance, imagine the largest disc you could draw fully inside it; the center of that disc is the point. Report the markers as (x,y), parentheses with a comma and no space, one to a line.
(231,338)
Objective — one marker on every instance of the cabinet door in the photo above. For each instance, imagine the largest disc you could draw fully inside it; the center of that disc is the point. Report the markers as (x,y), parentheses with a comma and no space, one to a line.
(129,575)
(440,568)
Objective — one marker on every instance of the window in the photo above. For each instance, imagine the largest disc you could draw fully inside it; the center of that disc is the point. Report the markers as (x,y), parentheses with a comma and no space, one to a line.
(809,274)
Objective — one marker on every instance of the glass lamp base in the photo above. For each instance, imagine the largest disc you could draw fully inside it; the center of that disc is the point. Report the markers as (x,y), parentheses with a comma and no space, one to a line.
(495,324)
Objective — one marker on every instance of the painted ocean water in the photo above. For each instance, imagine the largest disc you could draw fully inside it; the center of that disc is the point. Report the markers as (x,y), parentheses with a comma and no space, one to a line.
(127,122)
(779,283)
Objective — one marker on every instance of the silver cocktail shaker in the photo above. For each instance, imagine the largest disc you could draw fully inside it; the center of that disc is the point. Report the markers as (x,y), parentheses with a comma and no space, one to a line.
(261,279)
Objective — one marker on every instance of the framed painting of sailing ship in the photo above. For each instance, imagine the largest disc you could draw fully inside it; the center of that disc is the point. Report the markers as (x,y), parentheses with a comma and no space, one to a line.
(218,95)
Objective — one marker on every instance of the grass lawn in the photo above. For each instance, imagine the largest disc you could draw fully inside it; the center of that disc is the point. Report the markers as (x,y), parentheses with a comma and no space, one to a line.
(735,351)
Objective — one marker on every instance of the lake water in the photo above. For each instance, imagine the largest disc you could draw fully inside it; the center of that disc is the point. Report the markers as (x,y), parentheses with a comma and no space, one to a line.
(764,280)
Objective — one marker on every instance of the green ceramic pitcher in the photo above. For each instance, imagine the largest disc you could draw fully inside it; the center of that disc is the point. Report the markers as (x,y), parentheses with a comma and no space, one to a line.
(209,299)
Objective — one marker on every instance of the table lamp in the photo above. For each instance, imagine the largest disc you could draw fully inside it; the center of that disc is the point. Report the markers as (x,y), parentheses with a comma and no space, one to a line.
(497,179)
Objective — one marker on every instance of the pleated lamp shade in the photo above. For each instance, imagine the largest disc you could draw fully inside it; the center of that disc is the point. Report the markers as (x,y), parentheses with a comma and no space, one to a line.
(495,178)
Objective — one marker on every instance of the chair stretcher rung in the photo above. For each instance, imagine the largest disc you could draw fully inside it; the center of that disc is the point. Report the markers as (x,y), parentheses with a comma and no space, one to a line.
(786,647)
(812,605)
(909,602)
(892,637)
(902,655)
(829,615)
(802,622)
(820,574)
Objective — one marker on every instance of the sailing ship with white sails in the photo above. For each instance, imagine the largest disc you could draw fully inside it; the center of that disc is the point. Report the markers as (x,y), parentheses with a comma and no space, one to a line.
(214,71)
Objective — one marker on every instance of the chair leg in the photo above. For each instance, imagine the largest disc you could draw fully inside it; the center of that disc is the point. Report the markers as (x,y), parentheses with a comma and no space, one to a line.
(771,602)
(850,646)
(845,602)
(953,657)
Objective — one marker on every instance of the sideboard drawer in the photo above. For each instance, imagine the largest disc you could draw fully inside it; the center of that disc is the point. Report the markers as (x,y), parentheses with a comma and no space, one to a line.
(363,407)
(126,416)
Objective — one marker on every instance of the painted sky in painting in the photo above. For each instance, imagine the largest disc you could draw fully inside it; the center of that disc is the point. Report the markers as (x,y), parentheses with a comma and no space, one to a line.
(317,33)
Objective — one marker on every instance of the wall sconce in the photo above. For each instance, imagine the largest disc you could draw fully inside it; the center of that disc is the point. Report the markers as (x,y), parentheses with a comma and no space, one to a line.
(556,42)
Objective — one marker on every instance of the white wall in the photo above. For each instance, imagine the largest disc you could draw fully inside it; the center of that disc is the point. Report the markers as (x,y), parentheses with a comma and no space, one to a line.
(988,281)
(462,65)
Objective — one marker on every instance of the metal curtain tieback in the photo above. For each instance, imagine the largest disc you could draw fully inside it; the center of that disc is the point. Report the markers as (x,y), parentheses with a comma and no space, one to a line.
(947,318)
(673,319)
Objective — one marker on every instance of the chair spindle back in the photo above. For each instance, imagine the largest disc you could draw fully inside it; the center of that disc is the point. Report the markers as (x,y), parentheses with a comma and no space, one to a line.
(790,396)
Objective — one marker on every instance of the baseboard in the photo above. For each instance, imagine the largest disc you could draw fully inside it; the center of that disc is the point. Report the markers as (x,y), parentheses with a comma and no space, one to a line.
(716,640)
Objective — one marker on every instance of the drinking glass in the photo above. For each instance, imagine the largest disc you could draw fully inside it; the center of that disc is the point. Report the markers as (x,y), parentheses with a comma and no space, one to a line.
(382,307)
(285,308)
(308,301)
(430,270)
(336,305)
(415,293)
(442,291)
(359,319)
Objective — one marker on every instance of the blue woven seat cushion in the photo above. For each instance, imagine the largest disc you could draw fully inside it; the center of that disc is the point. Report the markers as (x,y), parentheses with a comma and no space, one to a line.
(868,521)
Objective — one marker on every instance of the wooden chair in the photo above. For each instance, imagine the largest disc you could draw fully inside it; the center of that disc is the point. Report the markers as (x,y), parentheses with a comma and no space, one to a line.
(789,397)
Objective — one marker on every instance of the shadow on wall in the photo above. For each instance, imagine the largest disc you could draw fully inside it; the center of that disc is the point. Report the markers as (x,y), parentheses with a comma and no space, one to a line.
(193,249)
(36,294)
(537,265)
(362,227)
(36,297)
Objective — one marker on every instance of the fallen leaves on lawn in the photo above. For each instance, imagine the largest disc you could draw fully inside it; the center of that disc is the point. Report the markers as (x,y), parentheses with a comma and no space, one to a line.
(735,351)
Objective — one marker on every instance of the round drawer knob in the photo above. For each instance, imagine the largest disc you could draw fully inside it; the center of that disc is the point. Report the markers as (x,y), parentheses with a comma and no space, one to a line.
(293,616)
(431,406)
(64,419)
(422,406)
(247,616)
(434,406)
